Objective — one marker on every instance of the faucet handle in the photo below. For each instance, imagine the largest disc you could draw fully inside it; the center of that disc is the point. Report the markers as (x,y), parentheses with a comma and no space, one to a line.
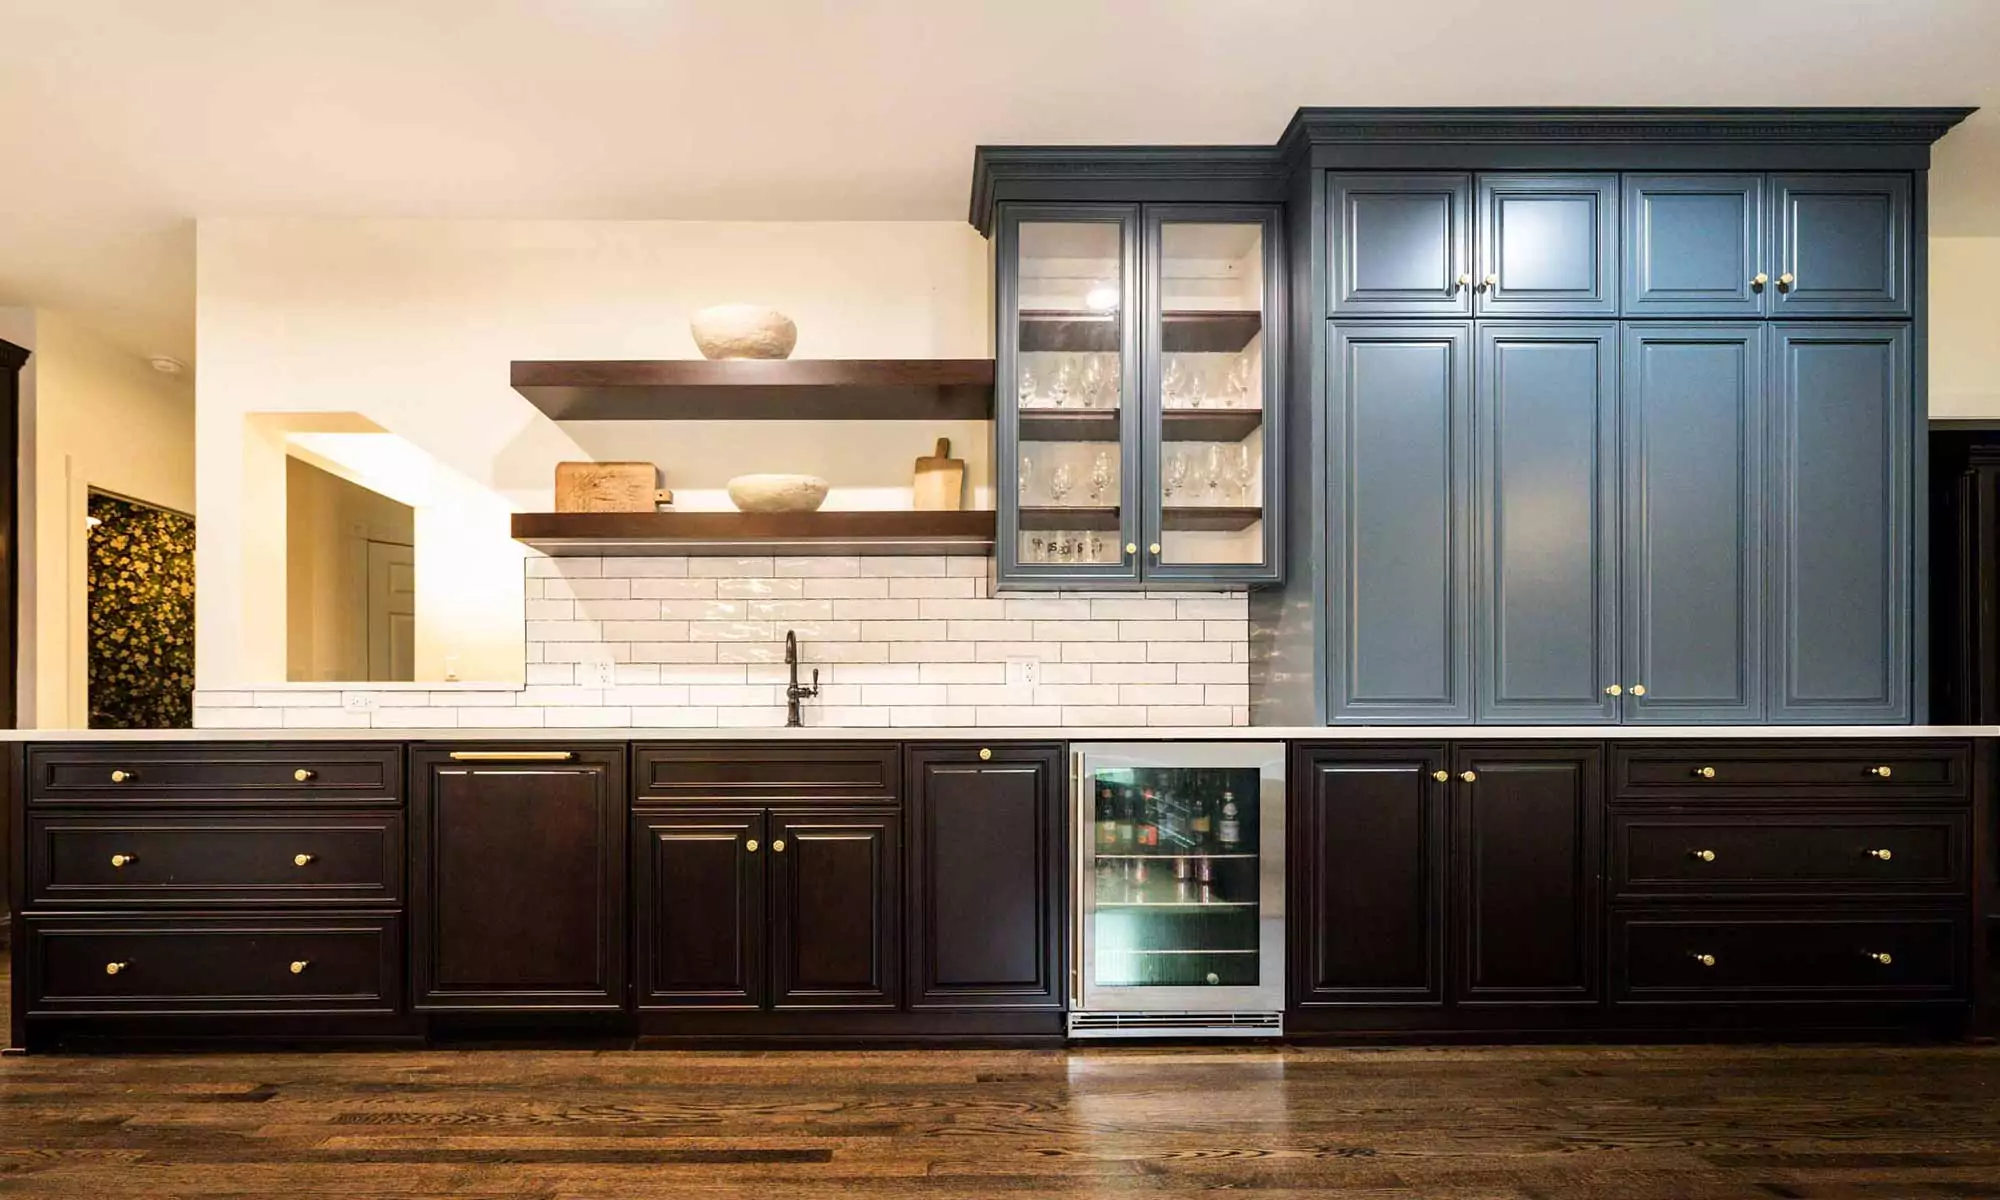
(815,686)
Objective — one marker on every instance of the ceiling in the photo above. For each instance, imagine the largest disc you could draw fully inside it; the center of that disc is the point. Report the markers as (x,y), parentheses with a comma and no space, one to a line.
(122,123)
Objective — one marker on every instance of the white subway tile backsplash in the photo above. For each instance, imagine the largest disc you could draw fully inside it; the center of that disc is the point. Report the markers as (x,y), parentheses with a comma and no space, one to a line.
(907,642)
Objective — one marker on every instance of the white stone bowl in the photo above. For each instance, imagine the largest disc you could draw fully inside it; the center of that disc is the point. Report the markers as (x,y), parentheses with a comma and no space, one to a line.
(743,331)
(777,493)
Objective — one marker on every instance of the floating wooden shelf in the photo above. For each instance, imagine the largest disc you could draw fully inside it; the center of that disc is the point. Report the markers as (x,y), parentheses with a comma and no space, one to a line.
(942,389)
(1209,518)
(733,533)
(1176,424)
(1180,332)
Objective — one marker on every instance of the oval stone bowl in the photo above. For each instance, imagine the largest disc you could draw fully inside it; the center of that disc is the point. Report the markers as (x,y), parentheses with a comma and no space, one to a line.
(777,493)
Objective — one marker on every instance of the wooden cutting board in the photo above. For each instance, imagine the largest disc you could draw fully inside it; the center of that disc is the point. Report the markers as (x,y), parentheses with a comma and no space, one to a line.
(609,487)
(940,481)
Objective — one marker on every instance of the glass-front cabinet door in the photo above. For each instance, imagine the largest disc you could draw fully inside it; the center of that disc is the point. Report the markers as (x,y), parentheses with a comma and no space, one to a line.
(1138,372)
(1210,383)
(1067,390)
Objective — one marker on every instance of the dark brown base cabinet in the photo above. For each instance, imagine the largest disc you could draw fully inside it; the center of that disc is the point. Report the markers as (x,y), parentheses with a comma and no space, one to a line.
(1636,888)
(518,884)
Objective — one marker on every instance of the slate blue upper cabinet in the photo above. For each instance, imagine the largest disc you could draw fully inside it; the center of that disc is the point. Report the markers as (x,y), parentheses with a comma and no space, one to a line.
(1401,245)
(1694,246)
(1548,246)
(1692,427)
(1546,420)
(1840,542)
(1843,245)
(1399,521)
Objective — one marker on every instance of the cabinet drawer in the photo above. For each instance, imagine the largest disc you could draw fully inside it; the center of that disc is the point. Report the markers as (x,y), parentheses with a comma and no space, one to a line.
(1829,771)
(215,965)
(348,858)
(1921,853)
(1791,955)
(313,773)
(868,772)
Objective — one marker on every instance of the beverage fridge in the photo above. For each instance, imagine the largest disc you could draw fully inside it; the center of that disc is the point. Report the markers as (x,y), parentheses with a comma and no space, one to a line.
(1178,889)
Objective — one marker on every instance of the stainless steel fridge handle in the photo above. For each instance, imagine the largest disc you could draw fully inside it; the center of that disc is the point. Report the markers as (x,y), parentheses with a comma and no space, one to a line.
(1078,872)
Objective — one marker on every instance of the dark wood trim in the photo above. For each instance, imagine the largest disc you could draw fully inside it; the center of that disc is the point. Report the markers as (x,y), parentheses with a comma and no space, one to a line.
(968,531)
(949,389)
(12,359)
(14,885)
(1985,887)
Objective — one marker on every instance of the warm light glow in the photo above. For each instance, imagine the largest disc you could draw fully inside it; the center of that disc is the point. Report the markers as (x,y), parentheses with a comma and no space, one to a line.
(92,522)
(1101,298)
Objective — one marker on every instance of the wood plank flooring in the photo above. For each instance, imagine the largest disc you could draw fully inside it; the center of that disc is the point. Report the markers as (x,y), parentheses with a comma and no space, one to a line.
(1823,1123)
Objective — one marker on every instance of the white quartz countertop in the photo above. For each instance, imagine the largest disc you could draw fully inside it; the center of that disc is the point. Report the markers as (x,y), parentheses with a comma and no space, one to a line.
(1021,734)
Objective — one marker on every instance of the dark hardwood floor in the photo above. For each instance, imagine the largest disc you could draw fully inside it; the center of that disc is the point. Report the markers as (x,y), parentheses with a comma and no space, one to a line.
(1438,1124)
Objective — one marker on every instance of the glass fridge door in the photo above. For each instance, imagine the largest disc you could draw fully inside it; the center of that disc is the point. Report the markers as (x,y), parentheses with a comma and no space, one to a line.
(1180,877)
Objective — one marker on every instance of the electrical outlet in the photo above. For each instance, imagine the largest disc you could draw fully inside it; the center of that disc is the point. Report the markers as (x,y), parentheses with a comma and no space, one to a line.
(596,673)
(359,701)
(1024,669)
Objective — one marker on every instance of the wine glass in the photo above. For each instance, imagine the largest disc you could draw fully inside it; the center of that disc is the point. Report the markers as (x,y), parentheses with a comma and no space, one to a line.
(1028,383)
(1100,476)
(1059,388)
(1239,383)
(1196,391)
(1061,482)
(1244,471)
(1177,472)
(1096,548)
(1035,553)
(1173,383)
(1027,477)
(1214,470)
(1091,384)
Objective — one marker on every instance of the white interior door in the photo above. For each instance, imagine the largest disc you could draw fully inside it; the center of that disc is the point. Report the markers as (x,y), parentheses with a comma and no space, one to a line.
(392,612)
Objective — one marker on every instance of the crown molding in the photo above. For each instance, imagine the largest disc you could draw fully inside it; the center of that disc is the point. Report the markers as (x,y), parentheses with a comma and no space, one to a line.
(1017,172)
(12,357)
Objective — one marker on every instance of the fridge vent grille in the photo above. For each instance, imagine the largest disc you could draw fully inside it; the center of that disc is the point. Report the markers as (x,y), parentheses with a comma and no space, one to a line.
(1176,1024)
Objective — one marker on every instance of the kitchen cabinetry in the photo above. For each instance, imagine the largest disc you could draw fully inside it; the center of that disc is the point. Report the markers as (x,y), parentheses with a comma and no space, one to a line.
(1140,363)
(518,885)
(985,876)
(698,898)
(1402,245)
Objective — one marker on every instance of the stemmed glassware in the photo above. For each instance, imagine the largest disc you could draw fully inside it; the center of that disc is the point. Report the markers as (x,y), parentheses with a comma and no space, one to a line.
(1061,482)
(1244,472)
(1214,471)
(1239,383)
(1100,476)
(1176,472)
(1091,384)
(1028,381)
(1027,478)
(1059,388)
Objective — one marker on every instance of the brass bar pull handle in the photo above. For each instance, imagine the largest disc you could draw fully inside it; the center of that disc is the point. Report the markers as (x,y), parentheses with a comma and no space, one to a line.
(120,860)
(1885,854)
(512,755)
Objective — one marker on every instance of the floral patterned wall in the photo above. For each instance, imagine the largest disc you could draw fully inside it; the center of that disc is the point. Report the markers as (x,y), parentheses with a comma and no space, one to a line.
(141,616)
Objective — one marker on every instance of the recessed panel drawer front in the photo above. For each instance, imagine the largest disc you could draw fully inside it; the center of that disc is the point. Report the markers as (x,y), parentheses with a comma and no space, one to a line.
(344,858)
(1688,955)
(1862,854)
(867,772)
(1835,770)
(302,965)
(215,775)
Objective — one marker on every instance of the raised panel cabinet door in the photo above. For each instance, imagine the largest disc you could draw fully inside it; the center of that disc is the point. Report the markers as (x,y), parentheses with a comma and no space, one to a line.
(1546,421)
(1548,246)
(1401,244)
(1695,246)
(1527,866)
(1843,245)
(1368,875)
(1839,591)
(985,873)
(698,880)
(1399,522)
(835,903)
(1693,434)
(518,879)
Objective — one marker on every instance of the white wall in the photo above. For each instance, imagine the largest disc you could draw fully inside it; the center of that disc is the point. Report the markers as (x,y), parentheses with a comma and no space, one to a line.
(412,324)
(93,416)
(1965,327)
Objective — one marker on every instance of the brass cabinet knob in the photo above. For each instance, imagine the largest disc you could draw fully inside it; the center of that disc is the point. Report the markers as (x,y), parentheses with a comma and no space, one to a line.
(1441,776)
(1879,958)
(112,968)
(1787,281)
(1702,855)
(300,860)
(303,774)
(1489,283)
(1131,547)
(751,845)
(1154,549)
(1638,689)
(1706,960)
(1465,279)
(1704,772)
(122,776)
(1468,776)
(778,846)
(1879,772)
(299,965)
(1614,690)
(1885,854)
(1758,281)
(985,755)
(119,860)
